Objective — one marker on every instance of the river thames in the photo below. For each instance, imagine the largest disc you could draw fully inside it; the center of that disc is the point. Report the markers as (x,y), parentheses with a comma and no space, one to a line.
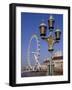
(34,73)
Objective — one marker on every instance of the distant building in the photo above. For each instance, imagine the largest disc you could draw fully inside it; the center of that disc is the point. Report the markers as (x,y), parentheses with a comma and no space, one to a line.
(57,63)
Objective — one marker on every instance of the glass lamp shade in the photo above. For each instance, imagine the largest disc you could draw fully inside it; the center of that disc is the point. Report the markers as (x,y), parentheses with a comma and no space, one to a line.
(42,28)
(57,34)
(51,23)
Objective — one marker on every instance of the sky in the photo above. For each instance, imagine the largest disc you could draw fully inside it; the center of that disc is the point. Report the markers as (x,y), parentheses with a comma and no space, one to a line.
(29,26)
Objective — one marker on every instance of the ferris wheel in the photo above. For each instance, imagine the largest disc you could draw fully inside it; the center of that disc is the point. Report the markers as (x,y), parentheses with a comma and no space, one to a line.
(35,53)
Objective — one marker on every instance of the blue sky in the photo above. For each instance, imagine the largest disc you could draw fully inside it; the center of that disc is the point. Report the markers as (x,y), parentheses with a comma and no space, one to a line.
(29,26)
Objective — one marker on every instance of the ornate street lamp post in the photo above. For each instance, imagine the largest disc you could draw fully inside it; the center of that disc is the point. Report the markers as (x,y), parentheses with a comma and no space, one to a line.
(51,40)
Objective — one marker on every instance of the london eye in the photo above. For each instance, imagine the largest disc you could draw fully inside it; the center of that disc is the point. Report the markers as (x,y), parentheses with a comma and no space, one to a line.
(36,53)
